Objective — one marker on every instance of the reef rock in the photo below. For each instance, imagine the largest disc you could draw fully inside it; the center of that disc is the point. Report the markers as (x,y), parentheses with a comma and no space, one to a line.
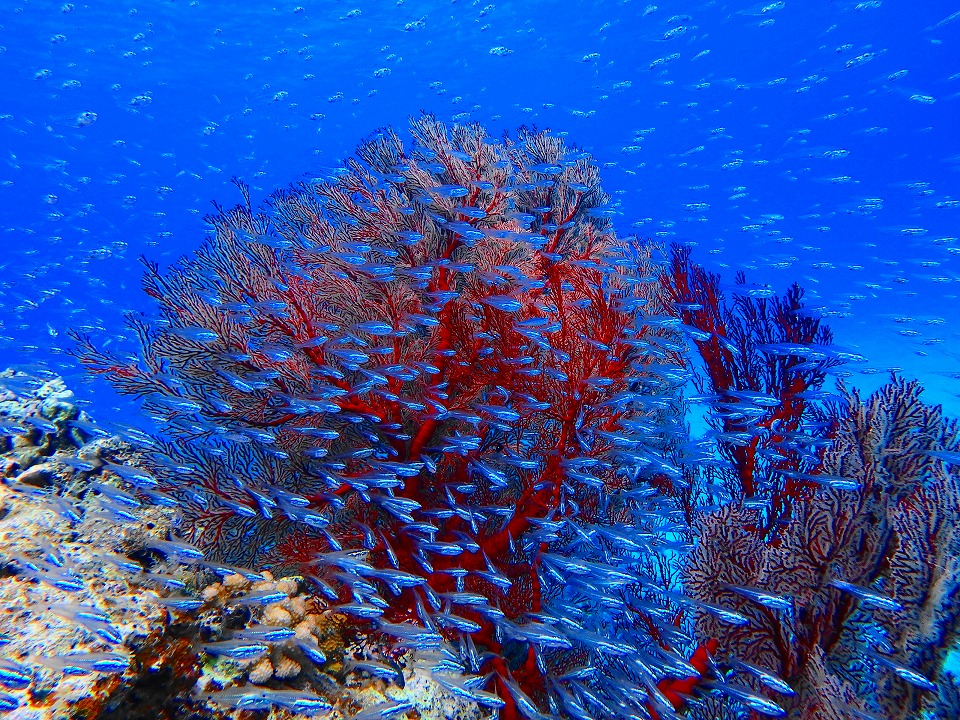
(105,614)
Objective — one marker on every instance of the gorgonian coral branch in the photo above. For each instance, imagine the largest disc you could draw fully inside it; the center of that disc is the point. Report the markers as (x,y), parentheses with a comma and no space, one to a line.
(851,606)
(428,385)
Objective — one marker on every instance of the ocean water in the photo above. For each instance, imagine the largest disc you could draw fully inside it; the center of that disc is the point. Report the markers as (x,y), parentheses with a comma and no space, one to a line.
(811,142)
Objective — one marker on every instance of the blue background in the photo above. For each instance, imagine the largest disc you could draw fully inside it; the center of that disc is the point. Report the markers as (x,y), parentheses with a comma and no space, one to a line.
(804,141)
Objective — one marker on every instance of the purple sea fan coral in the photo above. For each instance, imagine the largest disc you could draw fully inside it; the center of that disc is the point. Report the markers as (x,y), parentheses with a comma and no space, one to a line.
(854,601)
(826,557)
(428,385)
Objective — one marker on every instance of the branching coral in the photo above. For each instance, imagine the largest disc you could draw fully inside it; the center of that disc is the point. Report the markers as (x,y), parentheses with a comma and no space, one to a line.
(435,385)
(826,546)
(854,604)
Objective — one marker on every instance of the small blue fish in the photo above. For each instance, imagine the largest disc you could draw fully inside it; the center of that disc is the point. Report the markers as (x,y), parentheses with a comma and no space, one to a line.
(366,612)
(312,651)
(300,703)
(165,581)
(409,237)
(504,303)
(178,602)
(49,574)
(83,663)
(159,498)
(374,327)
(8,702)
(124,563)
(766,677)
(911,676)
(746,697)
(947,456)
(89,428)
(868,598)
(257,698)
(14,675)
(237,649)
(265,633)
(442,548)
(414,635)
(236,381)
(457,622)
(41,423)
(728,616)
(260,597)
(75,462)
(224,570)
(768,600)
(196,334)
(448,191)
(377,669)
(135,476)
(175,548)
(243,698)
(90,618)
(8,428)
(116,494)
(385,711)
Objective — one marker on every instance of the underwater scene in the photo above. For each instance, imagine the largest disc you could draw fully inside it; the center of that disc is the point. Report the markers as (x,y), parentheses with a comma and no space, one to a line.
(455,359)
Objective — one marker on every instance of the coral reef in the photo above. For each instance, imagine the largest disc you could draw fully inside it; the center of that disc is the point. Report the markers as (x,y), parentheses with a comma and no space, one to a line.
(421,450)
(832,549)
(105,617)
(425,386)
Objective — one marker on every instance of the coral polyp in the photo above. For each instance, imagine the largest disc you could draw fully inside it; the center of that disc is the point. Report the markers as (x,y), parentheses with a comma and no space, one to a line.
(435,385)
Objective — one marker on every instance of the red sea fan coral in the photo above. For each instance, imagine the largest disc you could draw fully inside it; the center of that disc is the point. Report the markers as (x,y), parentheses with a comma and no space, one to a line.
(435,385)
(764,360)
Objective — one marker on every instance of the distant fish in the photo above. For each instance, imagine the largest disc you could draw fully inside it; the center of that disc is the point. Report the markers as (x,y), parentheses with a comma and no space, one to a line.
(953,17)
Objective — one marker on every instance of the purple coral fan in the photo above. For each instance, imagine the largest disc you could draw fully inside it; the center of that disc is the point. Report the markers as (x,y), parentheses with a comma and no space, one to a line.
(825,565)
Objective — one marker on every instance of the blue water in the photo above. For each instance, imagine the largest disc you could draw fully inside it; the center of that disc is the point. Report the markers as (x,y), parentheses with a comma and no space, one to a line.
(807,141)
(812,142)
